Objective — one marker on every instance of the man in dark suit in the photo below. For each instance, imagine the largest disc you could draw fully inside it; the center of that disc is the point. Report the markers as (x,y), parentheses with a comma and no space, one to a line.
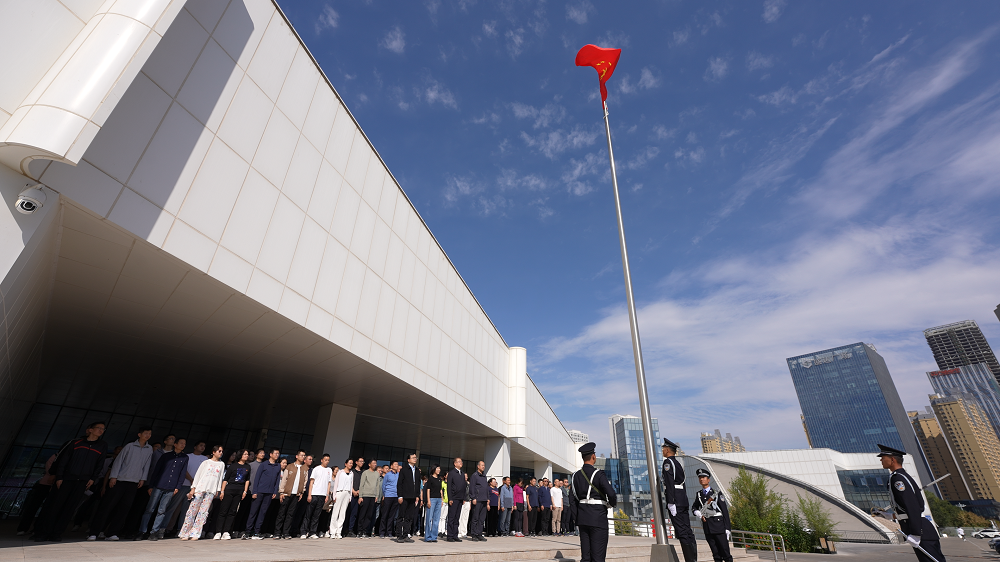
(590,497)
(480,501)
(408,491)
(456,497)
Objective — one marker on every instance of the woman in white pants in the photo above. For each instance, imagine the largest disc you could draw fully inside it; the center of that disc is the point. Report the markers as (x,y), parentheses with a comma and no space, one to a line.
(206,483)
(343,485)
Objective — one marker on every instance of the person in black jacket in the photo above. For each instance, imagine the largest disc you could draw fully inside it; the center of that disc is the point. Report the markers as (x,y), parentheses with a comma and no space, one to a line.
(908,504)
(76,468)
(456,496)
(710,506)
(408,490)
(590,497)
(677,500)
(480,501)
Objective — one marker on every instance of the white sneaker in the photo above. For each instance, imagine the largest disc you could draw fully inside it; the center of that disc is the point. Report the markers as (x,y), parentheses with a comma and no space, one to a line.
(304,537)
(92,538)
(314,536)
(112,538)
(256,538)
(225,537)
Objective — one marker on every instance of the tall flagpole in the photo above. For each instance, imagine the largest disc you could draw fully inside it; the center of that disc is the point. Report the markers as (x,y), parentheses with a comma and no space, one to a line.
(640,373)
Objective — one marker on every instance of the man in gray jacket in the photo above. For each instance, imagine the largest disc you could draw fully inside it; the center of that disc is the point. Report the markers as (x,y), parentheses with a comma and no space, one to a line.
(127,474)
(368,492)
(480,492)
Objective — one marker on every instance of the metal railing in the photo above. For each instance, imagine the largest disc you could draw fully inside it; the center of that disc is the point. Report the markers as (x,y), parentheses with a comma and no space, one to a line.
(760,541)
(869,537)
(630,527)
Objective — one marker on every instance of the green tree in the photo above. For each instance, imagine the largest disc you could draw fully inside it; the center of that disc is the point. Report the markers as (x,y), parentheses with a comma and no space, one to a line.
(947,515)
(623,527)
(753,506)
(816,517)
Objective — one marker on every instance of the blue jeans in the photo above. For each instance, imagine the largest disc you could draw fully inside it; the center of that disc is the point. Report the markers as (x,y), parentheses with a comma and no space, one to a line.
(432,520)
(504,526)
(158,502)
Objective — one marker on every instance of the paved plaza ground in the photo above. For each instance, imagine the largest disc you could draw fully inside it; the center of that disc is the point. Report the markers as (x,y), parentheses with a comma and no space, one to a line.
(955,550)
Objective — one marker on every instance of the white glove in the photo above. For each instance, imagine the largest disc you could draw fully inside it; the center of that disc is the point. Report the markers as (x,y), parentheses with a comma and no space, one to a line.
(672,508)
(915,541)
(697,513)
(729,536)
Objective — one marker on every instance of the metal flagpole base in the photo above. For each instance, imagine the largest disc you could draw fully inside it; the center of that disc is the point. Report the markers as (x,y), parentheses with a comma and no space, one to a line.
(663,553)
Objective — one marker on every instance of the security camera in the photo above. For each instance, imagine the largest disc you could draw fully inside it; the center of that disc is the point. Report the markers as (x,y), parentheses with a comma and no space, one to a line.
(31,199)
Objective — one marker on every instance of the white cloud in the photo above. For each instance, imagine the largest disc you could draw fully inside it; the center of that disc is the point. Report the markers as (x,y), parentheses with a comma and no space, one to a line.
(642,158)
(394,40)
(438,93)
(327,19)
(457,187)
(757,61)
(662,133)
(553,143)
(578,170)
(578,12)
(432,6)
(729,133)
(490,28)
(717,69)
(646,82)
(681,36)
(780,97)
(613,40)
(695,155)
(773,9)
(515,41)
(487,117)
(548,115)
(509,179)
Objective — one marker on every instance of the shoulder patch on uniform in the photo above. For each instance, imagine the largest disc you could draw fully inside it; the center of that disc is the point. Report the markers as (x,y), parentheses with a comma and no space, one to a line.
(900,485)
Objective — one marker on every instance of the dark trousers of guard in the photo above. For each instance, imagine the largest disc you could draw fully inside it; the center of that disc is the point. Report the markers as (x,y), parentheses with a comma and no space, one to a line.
(932,547)
(454,513)
(685,536)
(593,543)
(407,515)
(720,547)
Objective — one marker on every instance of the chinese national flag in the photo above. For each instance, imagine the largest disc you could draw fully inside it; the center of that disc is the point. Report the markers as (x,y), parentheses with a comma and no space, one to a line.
(603,61)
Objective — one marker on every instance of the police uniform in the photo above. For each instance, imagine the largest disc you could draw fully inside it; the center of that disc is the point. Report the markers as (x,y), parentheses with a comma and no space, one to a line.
(711,507)
(590,497)
(675,493)
(908,505)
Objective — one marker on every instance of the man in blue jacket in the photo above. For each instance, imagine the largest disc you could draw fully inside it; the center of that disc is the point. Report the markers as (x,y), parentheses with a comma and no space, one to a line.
(166,481)
(265,489)
(545,507)
(480,501)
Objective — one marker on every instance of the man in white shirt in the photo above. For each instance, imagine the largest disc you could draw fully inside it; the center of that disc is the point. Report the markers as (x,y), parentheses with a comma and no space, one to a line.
(319,489)
(557,506)
(342,488)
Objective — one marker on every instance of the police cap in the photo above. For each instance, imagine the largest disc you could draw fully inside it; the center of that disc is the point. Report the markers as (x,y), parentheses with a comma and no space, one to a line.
(588,449)
(885,451)
(671,444)
(702,472)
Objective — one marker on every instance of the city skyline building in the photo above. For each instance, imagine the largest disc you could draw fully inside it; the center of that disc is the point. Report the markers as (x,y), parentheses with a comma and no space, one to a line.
(940,458)
(716,443)
(972,441)
(959,344)
(578,436)
(630,450)
(849,402)
(976,380)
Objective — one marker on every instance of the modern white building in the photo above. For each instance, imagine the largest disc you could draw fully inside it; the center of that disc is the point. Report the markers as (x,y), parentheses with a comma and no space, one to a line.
(222,253)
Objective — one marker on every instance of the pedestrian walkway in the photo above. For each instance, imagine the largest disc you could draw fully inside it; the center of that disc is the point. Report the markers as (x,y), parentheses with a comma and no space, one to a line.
(507,549)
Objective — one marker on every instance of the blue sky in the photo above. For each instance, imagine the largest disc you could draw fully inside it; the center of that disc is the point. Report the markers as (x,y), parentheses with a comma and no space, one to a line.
(794,177)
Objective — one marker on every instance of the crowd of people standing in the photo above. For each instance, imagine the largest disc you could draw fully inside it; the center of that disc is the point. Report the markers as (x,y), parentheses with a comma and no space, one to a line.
(151,492)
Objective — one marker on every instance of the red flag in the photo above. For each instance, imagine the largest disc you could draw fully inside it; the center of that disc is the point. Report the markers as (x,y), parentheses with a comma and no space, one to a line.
(604,62)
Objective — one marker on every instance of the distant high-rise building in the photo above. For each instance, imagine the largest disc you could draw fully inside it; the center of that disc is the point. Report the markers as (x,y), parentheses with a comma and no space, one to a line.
(959,344)
(805,428)
(850,404)
(972,441)
(578,436)
(629,440)
(976,380)
(940,457)
(716,443)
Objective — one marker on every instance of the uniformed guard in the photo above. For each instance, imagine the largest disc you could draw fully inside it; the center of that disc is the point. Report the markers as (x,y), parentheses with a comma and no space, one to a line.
(590,497)
(908,505)
(675,494)
(710,505)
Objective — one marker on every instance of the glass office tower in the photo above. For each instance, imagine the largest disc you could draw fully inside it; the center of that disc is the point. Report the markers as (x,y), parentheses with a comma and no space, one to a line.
(850,404)
(628,438)
(976,380)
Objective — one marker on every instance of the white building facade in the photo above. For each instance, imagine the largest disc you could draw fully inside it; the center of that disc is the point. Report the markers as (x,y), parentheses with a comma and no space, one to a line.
(217,225)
